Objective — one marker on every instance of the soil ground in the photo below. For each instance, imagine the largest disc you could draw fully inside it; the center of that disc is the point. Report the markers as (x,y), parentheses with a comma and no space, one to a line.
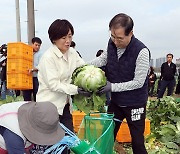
(119,148)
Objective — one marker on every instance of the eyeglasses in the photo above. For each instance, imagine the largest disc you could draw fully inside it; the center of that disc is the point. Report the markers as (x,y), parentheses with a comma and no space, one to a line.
(113,38)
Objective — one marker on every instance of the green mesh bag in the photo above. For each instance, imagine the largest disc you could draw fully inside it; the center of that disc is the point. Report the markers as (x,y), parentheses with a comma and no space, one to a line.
(96,134)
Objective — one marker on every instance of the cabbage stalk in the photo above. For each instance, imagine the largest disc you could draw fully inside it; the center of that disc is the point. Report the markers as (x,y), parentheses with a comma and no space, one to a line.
(90,78)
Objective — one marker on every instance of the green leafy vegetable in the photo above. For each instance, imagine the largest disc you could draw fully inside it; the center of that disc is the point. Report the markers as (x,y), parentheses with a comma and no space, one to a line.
(90,78)
(164,115)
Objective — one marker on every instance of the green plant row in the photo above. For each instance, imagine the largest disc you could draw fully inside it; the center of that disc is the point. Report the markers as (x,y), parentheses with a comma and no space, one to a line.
(10,99)
(164,115)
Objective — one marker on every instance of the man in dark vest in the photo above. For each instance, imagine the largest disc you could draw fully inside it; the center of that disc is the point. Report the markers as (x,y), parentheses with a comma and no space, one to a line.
(168,70)
(127,64)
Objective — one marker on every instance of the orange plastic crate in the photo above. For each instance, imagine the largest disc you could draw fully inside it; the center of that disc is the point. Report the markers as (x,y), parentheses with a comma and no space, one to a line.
(123,134)
(19,81)
(19,50)
(77,119)
(18,65)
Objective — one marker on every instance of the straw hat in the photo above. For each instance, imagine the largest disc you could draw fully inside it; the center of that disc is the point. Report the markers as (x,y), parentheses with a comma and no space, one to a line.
(39,123)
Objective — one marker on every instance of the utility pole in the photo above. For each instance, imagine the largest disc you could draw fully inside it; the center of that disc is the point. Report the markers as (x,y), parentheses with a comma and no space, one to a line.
(18,26)
(30,20)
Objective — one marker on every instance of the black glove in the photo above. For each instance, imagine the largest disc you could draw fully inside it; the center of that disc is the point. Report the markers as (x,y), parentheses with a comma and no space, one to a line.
(106,88)
(84,93)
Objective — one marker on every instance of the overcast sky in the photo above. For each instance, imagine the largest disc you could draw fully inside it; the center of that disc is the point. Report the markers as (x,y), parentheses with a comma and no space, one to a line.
(157,22)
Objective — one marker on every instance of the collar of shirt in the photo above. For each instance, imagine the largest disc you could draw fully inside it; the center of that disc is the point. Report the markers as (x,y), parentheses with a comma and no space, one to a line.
(169,64)
(120,51)
(59,54)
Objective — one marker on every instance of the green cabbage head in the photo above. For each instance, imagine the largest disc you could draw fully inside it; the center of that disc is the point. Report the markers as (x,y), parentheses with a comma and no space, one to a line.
(90,78)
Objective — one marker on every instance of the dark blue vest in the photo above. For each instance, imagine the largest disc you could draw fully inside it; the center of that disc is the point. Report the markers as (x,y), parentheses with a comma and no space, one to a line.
(123,70)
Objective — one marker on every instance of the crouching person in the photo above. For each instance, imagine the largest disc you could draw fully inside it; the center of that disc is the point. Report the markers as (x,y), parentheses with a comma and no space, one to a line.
(28,122)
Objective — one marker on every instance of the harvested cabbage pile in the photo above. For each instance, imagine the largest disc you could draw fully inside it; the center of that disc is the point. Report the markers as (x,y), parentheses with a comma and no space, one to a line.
(90,78)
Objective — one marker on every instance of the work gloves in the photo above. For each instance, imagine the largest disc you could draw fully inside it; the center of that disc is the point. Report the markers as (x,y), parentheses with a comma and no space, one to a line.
(83,92)
(105,89)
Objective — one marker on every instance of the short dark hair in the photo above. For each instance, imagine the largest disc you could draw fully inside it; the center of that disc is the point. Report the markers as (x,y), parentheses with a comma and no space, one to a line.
(151,69)
(122,20)
(73,44)
(59,28)
(99,53)
(169,54)
(36,39)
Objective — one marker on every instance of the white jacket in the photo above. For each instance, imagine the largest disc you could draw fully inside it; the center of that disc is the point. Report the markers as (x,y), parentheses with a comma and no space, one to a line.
(54,76)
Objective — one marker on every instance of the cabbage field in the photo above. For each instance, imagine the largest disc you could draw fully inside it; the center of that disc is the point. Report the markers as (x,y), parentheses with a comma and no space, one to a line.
(164,115)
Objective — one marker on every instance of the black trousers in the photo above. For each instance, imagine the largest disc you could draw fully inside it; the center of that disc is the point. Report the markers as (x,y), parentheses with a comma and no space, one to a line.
(166,84)
(66,120)
(135,116)
(27,93)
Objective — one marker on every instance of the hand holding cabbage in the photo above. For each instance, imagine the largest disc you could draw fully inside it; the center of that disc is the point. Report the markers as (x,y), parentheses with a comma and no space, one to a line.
(89,78)
(84,93)
(105,89)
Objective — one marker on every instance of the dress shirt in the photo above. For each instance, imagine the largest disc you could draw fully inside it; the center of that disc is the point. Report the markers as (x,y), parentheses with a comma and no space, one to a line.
(54,76)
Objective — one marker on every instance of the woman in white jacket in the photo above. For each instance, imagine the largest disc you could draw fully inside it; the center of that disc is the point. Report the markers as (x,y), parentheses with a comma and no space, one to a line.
(55,71)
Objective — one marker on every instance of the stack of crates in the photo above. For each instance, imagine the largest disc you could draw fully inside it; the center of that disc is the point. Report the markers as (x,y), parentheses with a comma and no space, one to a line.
(19,62)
